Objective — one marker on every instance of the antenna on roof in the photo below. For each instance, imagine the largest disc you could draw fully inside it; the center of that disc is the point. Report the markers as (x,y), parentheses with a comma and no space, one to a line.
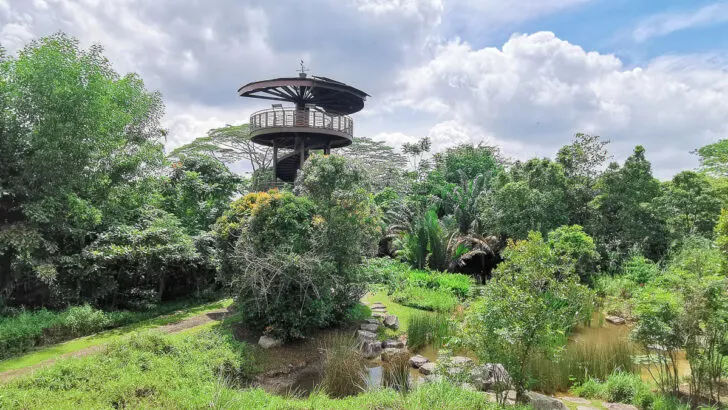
(302,74)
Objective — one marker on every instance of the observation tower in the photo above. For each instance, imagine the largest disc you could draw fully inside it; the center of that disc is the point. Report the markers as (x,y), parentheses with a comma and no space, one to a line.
(315,118)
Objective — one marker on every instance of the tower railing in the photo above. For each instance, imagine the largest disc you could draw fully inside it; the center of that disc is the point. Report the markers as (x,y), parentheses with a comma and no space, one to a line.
(291,117)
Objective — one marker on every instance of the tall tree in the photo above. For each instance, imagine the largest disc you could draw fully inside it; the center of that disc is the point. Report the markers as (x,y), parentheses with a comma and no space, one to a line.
(624,218)
(469,160)
(229,144)
(76,140)
(714,158)
(689,204)
(529,197)
(382,164)
(582,162)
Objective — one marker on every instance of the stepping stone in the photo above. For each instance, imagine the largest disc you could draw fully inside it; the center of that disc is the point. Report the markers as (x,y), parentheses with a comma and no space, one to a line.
(378,305)
(427,368)
(372,321)
(418,360)
(586,408)
(619,406)
(365,336)
(391,321)
(540,401)
(578,400)
(615,320)
(396,344)
(379,309)
(378,315)
(369,327)
(267,342)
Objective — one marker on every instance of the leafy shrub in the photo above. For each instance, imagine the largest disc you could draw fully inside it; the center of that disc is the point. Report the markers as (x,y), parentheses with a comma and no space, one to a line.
(428,299)
(296,256)
(620,387)
(640,270)
(590,389)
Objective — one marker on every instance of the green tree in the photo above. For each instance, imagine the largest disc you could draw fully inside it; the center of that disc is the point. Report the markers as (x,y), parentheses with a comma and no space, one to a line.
(530,196)
(469,160)
(78,143)
(689,204)
(624,218)
(714,158)
(229,144)
(198,190)
(533,299)
(383,165)
(465,199)
(572,244)
(582,161)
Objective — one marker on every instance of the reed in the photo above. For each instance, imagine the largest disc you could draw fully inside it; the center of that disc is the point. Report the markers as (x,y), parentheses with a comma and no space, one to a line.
(581,362)
(395,373)
(344,366)
(428,328)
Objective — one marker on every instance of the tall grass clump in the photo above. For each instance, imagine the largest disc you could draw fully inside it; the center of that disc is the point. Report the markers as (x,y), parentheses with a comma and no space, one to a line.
(395,372)
(424,329)
(344,366)
(581,362)
(618,387)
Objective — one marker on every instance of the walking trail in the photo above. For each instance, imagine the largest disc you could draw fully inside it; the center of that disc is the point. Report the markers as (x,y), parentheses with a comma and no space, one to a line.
(189,323)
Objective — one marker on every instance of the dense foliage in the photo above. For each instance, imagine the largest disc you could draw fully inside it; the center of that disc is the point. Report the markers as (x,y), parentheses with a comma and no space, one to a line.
(295,256)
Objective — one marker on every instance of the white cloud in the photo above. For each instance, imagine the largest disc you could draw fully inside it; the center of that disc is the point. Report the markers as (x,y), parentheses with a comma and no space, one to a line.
(538,90)
(666,23)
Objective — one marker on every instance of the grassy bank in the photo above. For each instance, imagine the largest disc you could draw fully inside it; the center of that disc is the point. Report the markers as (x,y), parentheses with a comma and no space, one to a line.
(57,350)
(207,369)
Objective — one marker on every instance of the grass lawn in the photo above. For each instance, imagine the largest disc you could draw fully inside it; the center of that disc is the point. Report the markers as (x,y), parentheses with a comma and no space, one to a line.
(103,338)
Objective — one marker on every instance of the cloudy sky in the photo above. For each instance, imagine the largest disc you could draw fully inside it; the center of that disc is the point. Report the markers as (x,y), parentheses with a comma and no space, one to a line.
(523,74)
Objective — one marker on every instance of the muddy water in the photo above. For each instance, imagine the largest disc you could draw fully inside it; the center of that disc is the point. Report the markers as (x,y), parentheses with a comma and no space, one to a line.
(602,332)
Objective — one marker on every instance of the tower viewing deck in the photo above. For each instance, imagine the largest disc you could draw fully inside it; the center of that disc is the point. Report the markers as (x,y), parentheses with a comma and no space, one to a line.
(317,120)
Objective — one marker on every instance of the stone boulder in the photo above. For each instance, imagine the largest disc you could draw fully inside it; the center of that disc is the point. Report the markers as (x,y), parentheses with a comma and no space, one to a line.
(391,321)
(619,406)
(372,321)
(490,376)
(427,368)
(418,360)
(378,315)
(365,336)
(267,342)
(615,320)
(393,343)
(371,349)
(542,402)
(369,327)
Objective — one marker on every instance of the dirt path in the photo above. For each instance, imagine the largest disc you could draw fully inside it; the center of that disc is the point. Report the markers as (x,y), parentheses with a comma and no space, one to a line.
(189,323)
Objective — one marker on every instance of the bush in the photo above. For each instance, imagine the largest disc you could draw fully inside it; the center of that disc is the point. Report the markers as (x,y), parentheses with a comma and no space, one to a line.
(427,299)
(296,258)
(620,387)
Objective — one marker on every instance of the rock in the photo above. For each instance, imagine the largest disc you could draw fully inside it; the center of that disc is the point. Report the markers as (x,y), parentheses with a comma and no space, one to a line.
(369,327)
(432,378)
(586,408)
(427,368)
(391,321)
(390,352)
(418,360)
(615,320)
(619,406)
(393,343)
(378,305)
(486,377)
(378,315)
(366,336)
(577,400)
(371,349)
(267,342)
(542,402)
(460,361)
(372,321)
(379,310)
